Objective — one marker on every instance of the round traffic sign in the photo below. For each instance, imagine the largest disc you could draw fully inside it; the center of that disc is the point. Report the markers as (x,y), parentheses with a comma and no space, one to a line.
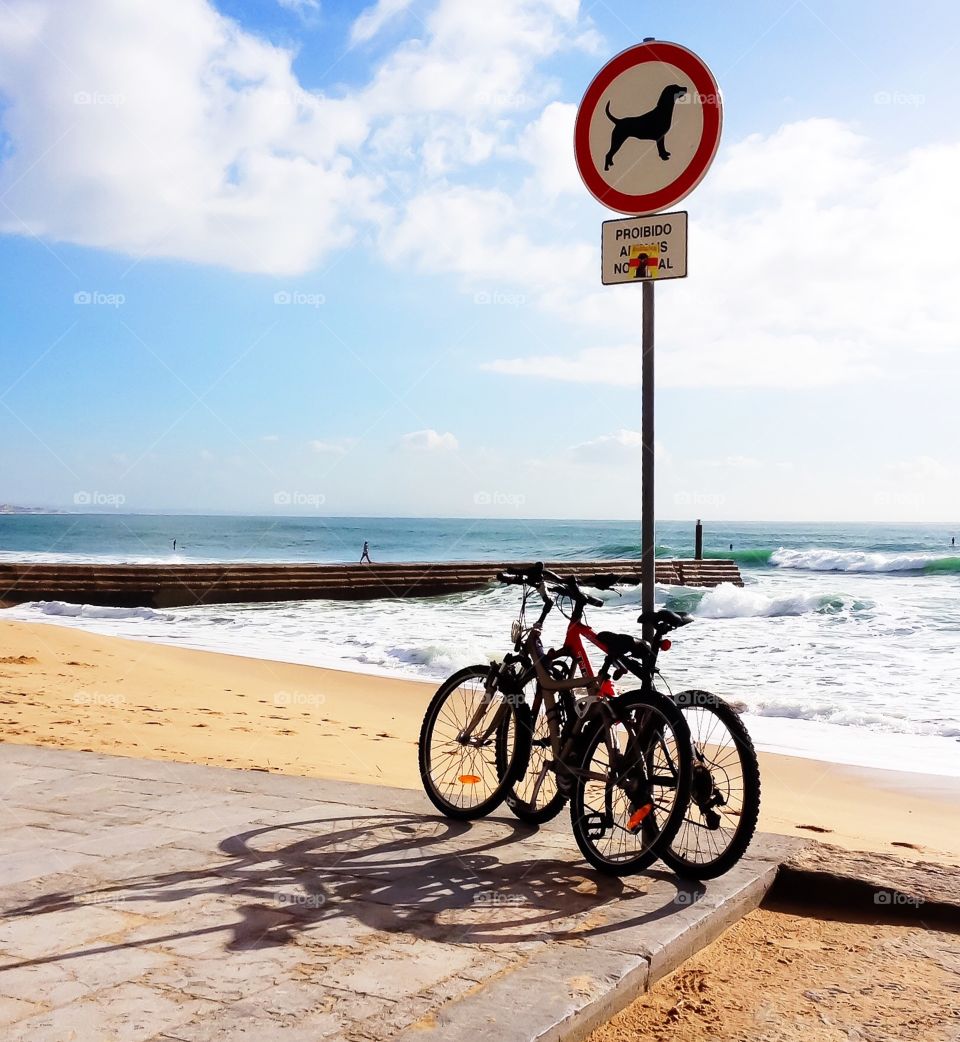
(648,128)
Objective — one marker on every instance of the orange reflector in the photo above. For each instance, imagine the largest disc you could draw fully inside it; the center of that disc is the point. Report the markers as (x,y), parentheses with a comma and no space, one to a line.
(638,816)
(469,779)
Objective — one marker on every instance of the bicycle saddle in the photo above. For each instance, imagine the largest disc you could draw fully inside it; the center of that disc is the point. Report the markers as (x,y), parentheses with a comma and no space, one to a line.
(619,644)
(665,620)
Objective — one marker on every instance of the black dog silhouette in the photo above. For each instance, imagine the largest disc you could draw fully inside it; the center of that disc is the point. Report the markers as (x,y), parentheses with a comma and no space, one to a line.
(651,126)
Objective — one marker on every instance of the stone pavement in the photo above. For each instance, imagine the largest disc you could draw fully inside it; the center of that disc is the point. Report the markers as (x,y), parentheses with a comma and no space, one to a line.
(144,900)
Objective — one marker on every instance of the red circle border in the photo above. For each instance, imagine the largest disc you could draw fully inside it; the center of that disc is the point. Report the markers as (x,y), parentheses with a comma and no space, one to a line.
(681,186)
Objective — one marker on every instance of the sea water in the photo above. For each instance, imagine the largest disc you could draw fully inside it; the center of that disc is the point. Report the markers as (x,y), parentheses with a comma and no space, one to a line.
(842,645)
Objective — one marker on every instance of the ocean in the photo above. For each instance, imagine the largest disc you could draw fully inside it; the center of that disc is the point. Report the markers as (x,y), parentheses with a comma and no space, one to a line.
(842,645)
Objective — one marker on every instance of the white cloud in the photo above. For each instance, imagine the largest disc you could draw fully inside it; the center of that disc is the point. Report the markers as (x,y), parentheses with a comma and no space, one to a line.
(304,8)
(621,446)
(798,277)
(325,448)
(547,145)
(436,224)
(430,441)
(375,17)
(330,448)
(173,132)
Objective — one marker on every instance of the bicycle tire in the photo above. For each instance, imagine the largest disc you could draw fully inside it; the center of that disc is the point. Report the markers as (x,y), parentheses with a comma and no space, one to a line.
(519,806)
(652,840)
(516,713)
(676,855)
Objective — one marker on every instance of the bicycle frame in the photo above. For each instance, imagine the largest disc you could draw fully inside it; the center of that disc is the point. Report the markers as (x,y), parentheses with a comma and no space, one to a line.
(573,643)
(600,700)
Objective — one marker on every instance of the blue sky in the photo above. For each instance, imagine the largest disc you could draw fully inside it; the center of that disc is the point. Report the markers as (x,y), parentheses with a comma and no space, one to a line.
(337,256)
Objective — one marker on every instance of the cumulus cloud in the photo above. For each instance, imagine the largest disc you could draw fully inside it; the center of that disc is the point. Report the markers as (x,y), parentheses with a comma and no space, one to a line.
(789,271)
(173,132)
(430,441)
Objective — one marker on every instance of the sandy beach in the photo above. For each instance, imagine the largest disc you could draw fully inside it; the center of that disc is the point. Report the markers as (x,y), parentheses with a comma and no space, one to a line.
(74,690)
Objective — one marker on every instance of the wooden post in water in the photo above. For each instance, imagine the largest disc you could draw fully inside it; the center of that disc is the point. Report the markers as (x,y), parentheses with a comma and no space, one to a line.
(698,541)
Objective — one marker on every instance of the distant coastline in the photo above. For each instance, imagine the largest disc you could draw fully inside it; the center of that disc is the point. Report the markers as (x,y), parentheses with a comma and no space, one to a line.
(12,508)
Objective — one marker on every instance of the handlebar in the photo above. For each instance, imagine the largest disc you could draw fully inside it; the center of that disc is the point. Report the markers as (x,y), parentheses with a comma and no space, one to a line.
(572,590)
(563,586)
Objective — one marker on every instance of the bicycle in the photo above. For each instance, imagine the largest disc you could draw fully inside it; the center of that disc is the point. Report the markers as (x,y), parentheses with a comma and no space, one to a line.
(624,761)
(724,807)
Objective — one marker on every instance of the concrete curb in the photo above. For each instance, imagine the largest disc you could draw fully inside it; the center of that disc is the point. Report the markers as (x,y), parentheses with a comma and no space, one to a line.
(574,988)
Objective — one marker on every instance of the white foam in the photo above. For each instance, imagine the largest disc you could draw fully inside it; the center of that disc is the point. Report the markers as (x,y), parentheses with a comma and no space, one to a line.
(818,675)
(64,609)
(852,560)
(727,601)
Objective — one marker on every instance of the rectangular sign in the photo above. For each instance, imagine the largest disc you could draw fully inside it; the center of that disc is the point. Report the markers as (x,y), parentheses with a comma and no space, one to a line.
(644,249)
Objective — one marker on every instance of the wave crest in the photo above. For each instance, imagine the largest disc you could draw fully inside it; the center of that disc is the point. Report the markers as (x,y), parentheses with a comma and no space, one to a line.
(863,561)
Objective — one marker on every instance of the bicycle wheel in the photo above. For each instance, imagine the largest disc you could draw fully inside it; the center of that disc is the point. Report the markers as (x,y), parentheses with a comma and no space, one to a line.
(724,806)
(535,798)
(632,785)
(459,770)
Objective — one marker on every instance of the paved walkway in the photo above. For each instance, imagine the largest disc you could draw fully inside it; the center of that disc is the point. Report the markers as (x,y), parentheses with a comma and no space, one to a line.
(153,901)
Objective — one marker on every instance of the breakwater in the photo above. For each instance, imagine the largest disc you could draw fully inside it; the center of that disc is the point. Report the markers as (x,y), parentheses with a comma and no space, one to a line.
(175,585)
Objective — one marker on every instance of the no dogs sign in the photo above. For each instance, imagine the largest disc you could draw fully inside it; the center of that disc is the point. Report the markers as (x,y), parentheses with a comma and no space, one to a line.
(648,128)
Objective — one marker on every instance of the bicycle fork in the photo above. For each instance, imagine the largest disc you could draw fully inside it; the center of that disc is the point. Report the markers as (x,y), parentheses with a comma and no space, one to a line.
(491,686)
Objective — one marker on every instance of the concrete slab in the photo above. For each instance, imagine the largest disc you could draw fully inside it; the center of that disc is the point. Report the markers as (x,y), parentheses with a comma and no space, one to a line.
(194,903)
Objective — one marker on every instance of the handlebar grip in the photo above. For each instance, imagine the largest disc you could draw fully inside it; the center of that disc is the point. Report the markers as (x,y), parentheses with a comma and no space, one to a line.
(595,601)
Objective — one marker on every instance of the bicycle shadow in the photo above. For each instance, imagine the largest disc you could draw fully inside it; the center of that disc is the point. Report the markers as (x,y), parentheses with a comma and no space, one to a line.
(394,872)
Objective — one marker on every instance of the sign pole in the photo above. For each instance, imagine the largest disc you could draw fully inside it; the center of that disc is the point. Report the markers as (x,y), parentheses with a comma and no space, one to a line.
(648,564)
(655,103)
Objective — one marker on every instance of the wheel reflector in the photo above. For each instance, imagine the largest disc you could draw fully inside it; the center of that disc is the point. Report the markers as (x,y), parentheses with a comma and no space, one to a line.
(637,817)
(469,779)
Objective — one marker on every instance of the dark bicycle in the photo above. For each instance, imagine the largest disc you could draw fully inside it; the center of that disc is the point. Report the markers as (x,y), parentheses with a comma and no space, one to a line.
(722,814)
(624,761)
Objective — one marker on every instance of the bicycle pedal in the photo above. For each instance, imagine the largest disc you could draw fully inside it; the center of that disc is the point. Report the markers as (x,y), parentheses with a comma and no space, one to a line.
(596,825)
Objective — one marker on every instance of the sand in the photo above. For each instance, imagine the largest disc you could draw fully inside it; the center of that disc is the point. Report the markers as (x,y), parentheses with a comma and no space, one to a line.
(782,973)
(70,689)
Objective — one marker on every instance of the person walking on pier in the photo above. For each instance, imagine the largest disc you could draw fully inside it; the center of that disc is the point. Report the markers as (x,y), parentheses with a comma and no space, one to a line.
(365,556)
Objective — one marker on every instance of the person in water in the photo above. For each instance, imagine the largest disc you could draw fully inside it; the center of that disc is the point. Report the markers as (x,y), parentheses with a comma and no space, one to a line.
(365,556)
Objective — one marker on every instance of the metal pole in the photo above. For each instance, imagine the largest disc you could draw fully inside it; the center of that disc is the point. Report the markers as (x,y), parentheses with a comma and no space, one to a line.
(647,565)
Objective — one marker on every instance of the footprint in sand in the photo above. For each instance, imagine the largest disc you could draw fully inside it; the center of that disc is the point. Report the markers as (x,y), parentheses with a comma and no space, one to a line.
(813,828)
(19,660)
(903,843)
